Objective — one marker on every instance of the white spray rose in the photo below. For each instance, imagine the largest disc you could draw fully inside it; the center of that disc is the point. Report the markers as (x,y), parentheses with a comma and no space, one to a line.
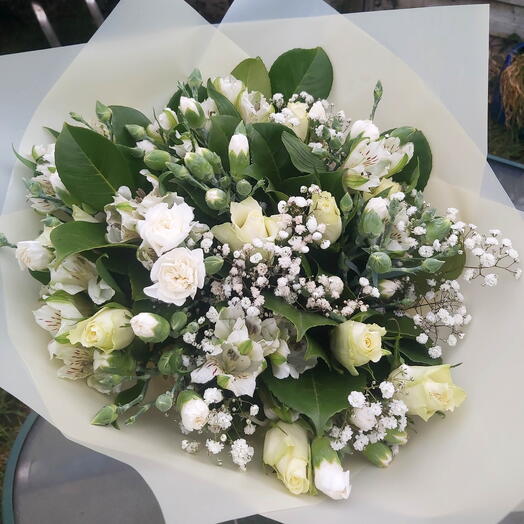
(150,327)
(164,227)
(317,112)
(379,205)
(193,410)
(286,450)
(229,86)
(324,208)
(72,275)
(330,478)
(177,275)
(31,254)
(364,128)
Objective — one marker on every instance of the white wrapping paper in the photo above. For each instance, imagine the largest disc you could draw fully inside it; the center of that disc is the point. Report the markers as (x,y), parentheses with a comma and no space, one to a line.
(135,60)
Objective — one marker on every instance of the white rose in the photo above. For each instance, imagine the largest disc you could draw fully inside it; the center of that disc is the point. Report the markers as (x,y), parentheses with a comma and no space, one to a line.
(365,128)
(317,112)
(324,208)
(363,418)
(150,327)
(297,118)
(72,275)
(31,254)
(177,275)
(193,410)
(379,205)
(330,478)
(164,227)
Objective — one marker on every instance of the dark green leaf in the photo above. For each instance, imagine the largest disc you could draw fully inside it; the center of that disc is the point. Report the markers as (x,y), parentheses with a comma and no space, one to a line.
(315,349)
(42,276)
(91,166)
(302,320)
(301,155)
(299,70)
(52,132)
(104,273)
(75,237)
(224,106)
(417,353)
(292,185)
(121,116)
(222,129)
(451,270)
(332,181)
(133,393)
(139,279)
(253,72)
(318,393)
(28,163)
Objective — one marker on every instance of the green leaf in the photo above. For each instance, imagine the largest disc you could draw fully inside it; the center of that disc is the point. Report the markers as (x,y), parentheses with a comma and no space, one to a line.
(222,129)
(292,185)
(301,155)
(451,270)
(121,116)
(131,394)
(224,106)
(403,326)
(299,70)
(417,353)
(139,279)
(253,72)
(315,349)
(75,237)
(302,320)
(91,166)
(268,151)
(104,273)
(332,181)
(28,163)
(42,276)
(52,132)
(318,393)
(174,101)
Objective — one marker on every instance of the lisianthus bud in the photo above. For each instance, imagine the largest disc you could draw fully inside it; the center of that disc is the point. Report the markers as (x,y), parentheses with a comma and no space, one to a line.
(286,450)
(181,172)
(153,133)
(193,410)
(192,111)
(317,112)
(364,128)
(178,321)
(150,327)
(217,199)
(107,415)
(324,208)
(31,254)
(107,330)
(167,119)
(157,159)
(437,229)
(119,363)
(238,155)
(199,167)
(213,264)
(164,402)
(379,262)
(103,112)
(356,343)
(379,454)
(330,478)
(387,288)
(243,187)
(426,389)
(212,158)
(395,437)
(170,361)
(137,132)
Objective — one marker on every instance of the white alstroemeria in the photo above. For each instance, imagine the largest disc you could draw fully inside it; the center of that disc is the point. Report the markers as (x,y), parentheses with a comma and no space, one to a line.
(78,361)
(59,312)
(33,255)
(122,217)
(370,160)
(56,183)
(99,291)
(364,129)
(164,228)
(399,239)
(318,112)
(40,187)
(177,275)
(230,87)
(79,215)
(330,478)
(254,107)
(240,361)
(72,275)
(399,155)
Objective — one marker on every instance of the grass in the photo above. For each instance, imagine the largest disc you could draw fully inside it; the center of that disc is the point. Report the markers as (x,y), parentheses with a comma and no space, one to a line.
(12,416)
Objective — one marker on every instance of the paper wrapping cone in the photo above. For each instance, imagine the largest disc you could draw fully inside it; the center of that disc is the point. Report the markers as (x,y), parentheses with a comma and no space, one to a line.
(135,59)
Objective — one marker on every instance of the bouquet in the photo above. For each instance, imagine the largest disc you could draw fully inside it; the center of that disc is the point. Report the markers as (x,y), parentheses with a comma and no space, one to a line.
(248,260)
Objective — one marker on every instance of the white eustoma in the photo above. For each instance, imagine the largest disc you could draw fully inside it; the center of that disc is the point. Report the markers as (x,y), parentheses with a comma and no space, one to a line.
(330,477)
(365,129)
(317,112)
(193,410)
(164,228)
(72,275)
(177,275)
(31,254)
(253,107)
(230,87)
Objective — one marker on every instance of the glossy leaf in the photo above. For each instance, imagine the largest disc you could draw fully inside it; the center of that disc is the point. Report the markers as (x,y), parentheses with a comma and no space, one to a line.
(105,274)
(224,106)
(315,349)
(28,163)
(301,155)
(222,129)
(253,72)
(417,353)
(121,116)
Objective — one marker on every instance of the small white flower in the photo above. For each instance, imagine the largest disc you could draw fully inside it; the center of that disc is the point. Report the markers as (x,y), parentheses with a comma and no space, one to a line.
(253,410)
(356,399)
(387,389)
(435,352)
(214,447)
(452,340)
(422,338)
(241,453)
(490,280)
(213,396)
(425,251)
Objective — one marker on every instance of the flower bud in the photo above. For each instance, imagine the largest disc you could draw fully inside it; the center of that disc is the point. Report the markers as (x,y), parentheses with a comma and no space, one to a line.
(325,210)
(37,152)
(157,159)
(387,288)
(178,321)
(229,86)
(432,265)
(379,262)
(192,111)
(437,229)
(217,199)
(225,182)
(164,402)
(103,112)
(212,158)
(371,224)
(119,363)
(137,132)
(170,361)
(365,129)
(317,112)
(213,264)
(33,255)
(330,478)
(395,437)
(150,327)
(238,155)
(181,173)
(107,415)
(243,187)
(378,454)
(199,167)
(167,119)
(346,203)
(193,410)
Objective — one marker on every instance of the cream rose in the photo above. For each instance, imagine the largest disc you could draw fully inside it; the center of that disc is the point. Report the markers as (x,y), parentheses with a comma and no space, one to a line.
(31,254)
(247,223)
(164,227)
(286,450)
(177,275)
(426,389)
(107,330)
(297,118)
(324,208)
(356,343)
